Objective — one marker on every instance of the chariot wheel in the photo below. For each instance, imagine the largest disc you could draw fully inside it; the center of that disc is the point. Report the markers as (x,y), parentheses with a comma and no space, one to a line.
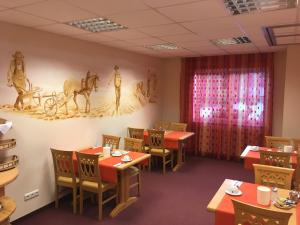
(50,106)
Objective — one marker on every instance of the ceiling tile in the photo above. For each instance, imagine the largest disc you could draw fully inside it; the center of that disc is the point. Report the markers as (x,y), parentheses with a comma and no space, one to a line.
(126,34)
(104,7)
(140,19)
(209,47)
(239,48)
(57,10)
(164,30)
(286,40)
(2,8)
(209,52)
(195,11)
(256,35)
(17,3)
(211,25)
(95,37)
(200,43)
(120,44)
(62,29)
(271,18)
(272,48)
(182,38)
(20,18)
(147,41)
(161,3)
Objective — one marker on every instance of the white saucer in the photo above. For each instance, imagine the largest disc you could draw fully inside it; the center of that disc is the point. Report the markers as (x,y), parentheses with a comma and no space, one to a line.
(123,160)
(238,193)
(116,155)
(254,149)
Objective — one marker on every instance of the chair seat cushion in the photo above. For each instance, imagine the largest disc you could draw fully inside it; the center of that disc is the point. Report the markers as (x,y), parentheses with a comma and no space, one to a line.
(157,151)
(90,185)
(133,171)
(66,181)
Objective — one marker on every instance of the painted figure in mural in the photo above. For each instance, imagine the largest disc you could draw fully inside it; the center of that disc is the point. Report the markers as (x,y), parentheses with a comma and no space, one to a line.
(17,78)
(72,88)
(152,87)
(117,83)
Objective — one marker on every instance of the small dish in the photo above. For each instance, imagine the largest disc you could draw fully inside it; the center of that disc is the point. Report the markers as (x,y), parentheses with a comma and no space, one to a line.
(238,193)
(126,160)
(281,203)
(254,149)
(117,154)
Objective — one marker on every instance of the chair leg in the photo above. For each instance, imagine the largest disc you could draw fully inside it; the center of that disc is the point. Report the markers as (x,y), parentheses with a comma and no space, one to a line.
(149,165)
(81,201)
(139,186)
(56,195)
(100,205)
(172,159)
(74,200)
(164,164)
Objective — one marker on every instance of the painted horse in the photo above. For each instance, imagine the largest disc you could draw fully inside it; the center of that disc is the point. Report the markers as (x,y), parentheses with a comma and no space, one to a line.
(73,88)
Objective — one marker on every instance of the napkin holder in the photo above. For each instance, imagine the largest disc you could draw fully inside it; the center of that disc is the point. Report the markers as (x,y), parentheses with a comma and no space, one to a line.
(106,151)
(288,148)
(263,195)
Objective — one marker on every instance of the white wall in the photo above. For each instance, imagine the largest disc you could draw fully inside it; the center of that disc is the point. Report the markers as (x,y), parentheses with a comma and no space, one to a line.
(291,118)
(50,59)
(171,89)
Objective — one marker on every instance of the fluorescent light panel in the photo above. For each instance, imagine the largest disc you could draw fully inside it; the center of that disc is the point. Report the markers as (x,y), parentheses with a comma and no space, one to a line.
(231,41)
(237,7)
(166,46)
(97,25)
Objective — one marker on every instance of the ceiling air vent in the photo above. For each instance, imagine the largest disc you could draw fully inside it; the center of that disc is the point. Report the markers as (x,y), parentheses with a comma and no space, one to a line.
(231,41)
(97,25)
(237,7)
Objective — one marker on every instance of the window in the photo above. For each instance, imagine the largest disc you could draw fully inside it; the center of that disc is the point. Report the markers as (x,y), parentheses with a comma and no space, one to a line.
(235,98)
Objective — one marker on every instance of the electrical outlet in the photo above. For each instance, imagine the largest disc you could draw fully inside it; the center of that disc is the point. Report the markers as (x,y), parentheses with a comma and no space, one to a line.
(32,194)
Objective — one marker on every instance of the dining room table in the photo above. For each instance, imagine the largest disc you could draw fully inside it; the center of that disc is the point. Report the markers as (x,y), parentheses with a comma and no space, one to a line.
(114,170)
(251,156)
(221,204)
(175,141)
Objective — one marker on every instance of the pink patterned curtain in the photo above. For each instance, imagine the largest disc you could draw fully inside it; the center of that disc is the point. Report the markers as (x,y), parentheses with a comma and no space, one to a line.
(227,102)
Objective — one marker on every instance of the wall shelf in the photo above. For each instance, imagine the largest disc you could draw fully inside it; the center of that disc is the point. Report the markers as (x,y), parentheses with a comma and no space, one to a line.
(8,176)
(9,206)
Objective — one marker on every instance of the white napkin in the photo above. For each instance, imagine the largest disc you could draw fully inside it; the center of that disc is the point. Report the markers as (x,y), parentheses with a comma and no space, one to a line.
(5,127)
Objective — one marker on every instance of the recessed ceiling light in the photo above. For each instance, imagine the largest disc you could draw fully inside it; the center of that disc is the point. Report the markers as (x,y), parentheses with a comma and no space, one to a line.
(231,41)
(167,46)
(237,7)
(97,25)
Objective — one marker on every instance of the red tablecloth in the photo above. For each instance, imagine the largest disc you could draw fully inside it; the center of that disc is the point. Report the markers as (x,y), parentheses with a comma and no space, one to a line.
(225,212)
(253,157)
(171,138)
(107,168)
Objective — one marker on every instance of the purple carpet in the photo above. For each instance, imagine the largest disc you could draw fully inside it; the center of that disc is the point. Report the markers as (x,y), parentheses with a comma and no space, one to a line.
(173,199)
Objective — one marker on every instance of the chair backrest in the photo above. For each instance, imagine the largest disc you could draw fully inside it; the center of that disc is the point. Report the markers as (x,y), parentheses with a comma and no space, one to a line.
(156,139)
(273,176)
(249,214)
(133,144)
(110,140)
(136,133)
(178,126)
(63,163)
(276,142)
(296,144)
(88,167)
(281,159)
(162,125)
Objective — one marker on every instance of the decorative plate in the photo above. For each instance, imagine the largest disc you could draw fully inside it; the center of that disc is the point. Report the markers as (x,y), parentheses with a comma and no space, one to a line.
(238,193)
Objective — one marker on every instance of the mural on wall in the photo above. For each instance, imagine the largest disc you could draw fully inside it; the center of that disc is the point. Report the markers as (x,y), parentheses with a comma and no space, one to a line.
(79,97)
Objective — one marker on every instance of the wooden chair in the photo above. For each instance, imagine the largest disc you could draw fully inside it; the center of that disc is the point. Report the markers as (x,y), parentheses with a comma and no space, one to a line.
(273,176)
(90,180)
(157,148)
(64,175)
(296,144)
(138,133)
(161,125)
(281,159)
(277,142)
(110,140)
(136,145)
(178,126)
(249,214)
(297,175)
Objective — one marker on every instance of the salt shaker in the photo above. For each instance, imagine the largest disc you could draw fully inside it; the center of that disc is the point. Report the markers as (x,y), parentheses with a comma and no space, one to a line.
(274,194)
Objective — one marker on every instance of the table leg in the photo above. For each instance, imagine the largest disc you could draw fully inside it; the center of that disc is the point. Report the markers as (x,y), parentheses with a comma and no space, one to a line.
(179,157)
(125,200)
